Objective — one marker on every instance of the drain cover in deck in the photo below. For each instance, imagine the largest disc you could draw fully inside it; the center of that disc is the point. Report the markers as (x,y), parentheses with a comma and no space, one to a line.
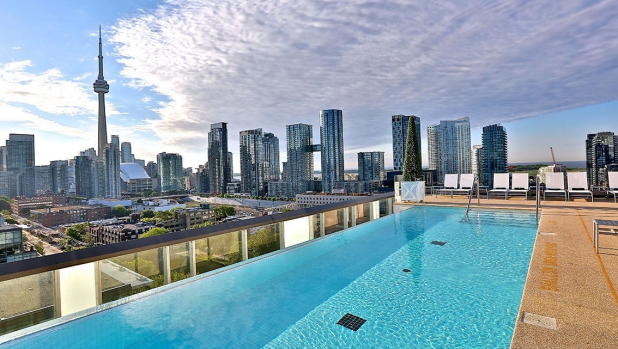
(439,243)
(351,322)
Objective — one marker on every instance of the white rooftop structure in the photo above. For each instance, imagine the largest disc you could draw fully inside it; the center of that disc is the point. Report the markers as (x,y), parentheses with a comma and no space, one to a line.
(131,170)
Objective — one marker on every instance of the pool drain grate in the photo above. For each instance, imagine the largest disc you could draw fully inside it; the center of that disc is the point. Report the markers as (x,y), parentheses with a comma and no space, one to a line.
(439,243)
(351,322)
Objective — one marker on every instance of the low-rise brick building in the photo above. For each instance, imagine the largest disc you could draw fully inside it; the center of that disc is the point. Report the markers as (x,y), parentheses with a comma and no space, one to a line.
(50,217)
(21,203)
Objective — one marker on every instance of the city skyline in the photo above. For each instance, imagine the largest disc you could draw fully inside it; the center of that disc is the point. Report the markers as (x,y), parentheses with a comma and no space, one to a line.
(164,98)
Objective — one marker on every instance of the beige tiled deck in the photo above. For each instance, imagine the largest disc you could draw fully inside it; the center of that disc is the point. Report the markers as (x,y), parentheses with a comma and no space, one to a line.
(567,280)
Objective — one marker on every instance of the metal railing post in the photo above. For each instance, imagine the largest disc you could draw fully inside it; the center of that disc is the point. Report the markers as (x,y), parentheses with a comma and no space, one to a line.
(538,197)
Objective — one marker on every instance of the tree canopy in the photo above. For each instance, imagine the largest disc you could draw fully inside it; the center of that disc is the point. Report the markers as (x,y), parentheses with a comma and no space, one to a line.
(147,214)
(223,211)
(154,232)
(5,204)
(121,211)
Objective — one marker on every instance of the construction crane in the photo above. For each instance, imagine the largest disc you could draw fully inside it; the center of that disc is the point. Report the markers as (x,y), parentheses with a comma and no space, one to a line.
(553,158)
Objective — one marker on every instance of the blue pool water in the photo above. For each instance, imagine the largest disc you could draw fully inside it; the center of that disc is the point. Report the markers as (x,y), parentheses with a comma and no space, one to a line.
(465,293)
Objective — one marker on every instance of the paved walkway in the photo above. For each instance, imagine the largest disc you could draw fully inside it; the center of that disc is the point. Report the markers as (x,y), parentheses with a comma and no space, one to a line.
(570,298)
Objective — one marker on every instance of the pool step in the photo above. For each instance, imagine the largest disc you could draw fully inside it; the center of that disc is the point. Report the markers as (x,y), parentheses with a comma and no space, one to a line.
(500,218)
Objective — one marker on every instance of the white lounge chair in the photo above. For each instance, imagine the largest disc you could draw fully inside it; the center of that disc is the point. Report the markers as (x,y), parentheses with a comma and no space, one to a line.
(501,185)
(450,184)
(466,184)
(578,184)
(520,185)
(554,184)
(612,178)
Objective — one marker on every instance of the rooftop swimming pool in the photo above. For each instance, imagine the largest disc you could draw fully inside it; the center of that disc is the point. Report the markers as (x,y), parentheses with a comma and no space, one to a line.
(422,278)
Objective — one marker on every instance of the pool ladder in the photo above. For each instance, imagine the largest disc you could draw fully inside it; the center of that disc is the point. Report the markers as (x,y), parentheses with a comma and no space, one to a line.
(470,196)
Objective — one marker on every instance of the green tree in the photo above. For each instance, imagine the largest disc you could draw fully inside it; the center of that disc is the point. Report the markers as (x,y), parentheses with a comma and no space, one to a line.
(154,232)
(223,211)
(79,232)
(121,211)
(147,214)
(264,241)
(5,204)
(162,216)
(412,165)
(39,248)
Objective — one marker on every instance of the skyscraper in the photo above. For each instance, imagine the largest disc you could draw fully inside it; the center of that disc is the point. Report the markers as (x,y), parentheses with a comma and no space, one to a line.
(299,168)
(217,158)
(171,173)
(84,181)
(116,141)
(271,157)
(151,169)
(494,154)
(59,176)
(252,164)
(331,138)
(125,152)
(112,171)
(20,160)
(101,88)
(371,166)
(42,182)
(230,164)
(449,147)
(601,151)
(476,155)
(3,158)
(400,135)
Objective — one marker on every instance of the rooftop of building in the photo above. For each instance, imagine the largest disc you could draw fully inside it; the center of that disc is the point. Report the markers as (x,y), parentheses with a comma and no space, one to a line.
(8,227)
(132,171)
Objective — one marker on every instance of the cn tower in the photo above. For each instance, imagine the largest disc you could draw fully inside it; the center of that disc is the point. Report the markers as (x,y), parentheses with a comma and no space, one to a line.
(101,88)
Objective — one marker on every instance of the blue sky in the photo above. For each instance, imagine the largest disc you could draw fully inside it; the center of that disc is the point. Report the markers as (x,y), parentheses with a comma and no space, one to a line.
(546,70)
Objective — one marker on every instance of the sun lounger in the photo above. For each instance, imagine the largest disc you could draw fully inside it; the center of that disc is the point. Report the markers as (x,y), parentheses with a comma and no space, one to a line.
(520,185)
(450,184)
(612,178)
(578,185)
(466,184)
(554,185)
(501,185)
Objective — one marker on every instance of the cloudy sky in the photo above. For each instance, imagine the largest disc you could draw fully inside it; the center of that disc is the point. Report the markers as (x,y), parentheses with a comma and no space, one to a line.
(546,70)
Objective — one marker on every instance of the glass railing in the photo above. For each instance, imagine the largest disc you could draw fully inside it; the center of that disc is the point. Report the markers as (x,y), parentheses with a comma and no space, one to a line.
(37,290)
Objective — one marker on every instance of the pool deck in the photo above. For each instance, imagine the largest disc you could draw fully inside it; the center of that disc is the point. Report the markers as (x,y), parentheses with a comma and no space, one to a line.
(570,298)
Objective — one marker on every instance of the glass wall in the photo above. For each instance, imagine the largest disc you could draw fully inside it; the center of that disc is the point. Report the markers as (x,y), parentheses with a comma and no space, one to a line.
(362,213)
(316,225)
(179,262)
(333,221)
(263,240)
(385,208)
(217,251)
(27,301)
(132,273)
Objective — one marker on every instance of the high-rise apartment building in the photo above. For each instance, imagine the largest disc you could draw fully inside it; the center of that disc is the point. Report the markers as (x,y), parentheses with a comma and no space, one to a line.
(151,169)
(271,157)
(299,167)
(20,160)
(476,155)
(371,166)
(59,176)
(116,141)
(112,171)
(217,158)
(449,147)
(8,184)
(3,158)
(252,163)
(42,181)
(171,173)
(601,151)
(84,176)
(125,152)
(230,165)
(203,179)
(331,138)
(400,135)
(494,154)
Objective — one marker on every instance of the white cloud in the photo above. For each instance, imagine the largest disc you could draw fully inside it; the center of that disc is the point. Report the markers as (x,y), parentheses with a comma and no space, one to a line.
(16,48)
(146,99)
(9,113)
(50,92)
(271,63)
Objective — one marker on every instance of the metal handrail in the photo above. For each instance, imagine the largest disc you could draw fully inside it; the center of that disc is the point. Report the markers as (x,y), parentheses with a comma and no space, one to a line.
(470,195)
